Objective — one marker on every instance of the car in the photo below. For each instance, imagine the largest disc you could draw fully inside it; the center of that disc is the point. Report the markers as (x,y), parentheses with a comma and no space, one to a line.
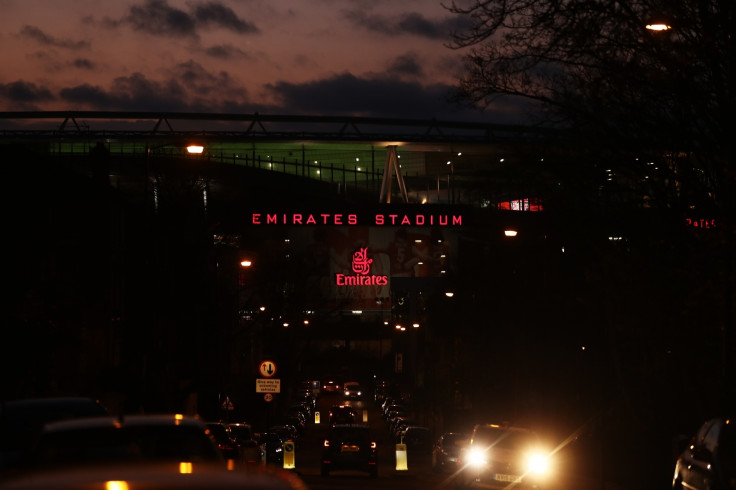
(352,390)
(161,476)
(446,449)
(273,446)
(125,440)
(418,439)
(331,386)
(349,447)
(709,461)
(250,451)
(225,440)
(341,414)
(22,420)
(499,455)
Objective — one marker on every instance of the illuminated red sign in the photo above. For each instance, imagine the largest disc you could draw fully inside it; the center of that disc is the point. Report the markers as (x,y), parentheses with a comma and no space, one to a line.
(340,219)
(701,223)
(362,268)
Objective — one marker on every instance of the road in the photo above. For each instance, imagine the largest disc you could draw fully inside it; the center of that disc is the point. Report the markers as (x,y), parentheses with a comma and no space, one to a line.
(418,474)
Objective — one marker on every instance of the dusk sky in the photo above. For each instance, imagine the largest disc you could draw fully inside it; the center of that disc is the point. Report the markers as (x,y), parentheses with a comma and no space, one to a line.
(383,58)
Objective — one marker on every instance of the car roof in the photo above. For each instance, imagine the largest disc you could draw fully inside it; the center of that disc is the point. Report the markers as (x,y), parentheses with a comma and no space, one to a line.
(137,420)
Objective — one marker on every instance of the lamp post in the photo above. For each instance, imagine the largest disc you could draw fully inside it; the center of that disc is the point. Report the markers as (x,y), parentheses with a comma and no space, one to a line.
(717,45)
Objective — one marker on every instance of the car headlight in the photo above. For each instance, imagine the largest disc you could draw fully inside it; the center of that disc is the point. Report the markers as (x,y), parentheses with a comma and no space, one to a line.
(476,457)
(537,464)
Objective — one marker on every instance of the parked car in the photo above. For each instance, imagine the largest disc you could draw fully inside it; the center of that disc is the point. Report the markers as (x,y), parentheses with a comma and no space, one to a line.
(250,451)
(446,450)
(129,440)
(22,420)
(418,439)
(341,414)
(502,455)
(709,461)
(350,447)
(273,444)
(163,476)
(225,440)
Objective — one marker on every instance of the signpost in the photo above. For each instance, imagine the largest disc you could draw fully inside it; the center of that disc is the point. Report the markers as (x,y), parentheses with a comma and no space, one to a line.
(268,385)
(267,369)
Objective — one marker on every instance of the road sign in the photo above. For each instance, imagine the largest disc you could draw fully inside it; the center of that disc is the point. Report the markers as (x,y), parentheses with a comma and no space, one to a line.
(267,369)
(268,397)
(268,385)
(227,404)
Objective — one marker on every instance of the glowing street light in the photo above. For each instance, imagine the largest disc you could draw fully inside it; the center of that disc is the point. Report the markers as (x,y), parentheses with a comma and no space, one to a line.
(195,149)
(658,26)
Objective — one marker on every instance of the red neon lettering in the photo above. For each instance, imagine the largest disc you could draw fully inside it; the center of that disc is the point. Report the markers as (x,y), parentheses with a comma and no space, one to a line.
(256,220)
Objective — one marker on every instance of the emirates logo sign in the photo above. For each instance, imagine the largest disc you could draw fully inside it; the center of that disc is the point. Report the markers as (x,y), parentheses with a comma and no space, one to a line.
(361,267)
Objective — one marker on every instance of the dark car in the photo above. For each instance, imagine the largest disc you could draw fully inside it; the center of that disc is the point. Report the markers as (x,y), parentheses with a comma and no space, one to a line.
(22,420)
(503,455)
(130,440)
(342,414)
(418,439)
(273,445)
(446,450)
(350,447)
(709,461)
(250,451)
(225,440)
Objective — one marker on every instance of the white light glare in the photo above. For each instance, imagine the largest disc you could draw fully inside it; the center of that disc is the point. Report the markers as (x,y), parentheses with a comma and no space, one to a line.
(195,149)
(510,232)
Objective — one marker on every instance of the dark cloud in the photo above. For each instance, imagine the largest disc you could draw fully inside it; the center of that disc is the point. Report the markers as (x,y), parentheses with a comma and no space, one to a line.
(407,23)
(222,16)
(36,34)
(21,94)
(188,88)
(203,83)
(347,94)
(406,64)
(83,63)
(157,17)
(134,93)
(225,51)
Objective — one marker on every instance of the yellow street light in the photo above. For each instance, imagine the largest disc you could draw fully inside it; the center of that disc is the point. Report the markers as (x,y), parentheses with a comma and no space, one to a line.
(658,26)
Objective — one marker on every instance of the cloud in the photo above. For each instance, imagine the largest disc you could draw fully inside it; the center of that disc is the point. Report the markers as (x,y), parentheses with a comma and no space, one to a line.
(188,87)
(221,16)
(83,63)
(22,95)
(412,23)
(347,94)
(158,18)
(226,51)
(406,64)
(36,34)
